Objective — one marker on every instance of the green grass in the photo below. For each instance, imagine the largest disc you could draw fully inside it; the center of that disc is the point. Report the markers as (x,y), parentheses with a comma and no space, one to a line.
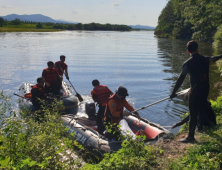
(27,28)
(207,153)
(34,142)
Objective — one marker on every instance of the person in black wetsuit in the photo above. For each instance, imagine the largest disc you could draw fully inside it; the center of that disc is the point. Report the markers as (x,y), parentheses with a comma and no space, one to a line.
(197,66)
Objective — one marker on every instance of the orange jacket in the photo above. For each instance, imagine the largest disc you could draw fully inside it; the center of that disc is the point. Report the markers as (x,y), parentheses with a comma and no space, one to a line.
(60,67)
(50,75)
(101,94)
(114,109)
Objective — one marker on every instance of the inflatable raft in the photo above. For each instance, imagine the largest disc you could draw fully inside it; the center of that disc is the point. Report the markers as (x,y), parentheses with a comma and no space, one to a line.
(70,101)
(85,130)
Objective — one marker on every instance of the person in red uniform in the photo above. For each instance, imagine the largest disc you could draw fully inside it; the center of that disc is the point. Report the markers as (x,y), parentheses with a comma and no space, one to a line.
(114,111)
(61,67)
(52,79)
(100,94)
(38,92)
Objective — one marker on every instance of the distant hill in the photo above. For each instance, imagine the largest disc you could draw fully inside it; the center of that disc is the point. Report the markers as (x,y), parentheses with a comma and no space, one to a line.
(142,27)
(34,18)
(64,21)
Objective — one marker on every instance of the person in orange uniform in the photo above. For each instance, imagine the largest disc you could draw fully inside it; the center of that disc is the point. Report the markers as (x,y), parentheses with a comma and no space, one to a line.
(114,111)
(100,94)
(61,67)
(52,79)
(38,92)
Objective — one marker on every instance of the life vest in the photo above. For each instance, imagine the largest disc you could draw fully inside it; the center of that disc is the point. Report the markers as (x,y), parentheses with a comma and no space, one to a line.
(41,90)
(60,67)
(28,95)
(119,108)
(50,75)
(102,94)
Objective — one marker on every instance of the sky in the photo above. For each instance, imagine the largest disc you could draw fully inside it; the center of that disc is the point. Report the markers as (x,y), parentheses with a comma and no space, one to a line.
(129,12)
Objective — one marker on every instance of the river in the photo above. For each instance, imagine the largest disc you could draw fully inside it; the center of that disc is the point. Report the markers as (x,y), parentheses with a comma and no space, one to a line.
(147,66)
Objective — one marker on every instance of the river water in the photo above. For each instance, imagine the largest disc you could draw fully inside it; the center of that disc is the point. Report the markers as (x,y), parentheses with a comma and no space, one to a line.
(147,66)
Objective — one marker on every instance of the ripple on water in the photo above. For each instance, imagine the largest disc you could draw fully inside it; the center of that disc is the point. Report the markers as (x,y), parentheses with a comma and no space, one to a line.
(146,65)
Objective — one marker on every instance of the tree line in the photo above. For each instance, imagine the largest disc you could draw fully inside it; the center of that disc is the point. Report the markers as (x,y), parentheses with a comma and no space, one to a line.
(192,19)
(63,26)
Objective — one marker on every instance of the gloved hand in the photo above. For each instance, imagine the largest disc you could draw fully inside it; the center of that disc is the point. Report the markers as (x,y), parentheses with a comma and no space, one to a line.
(125,113)
(67,77)
(137,115)
(173,95)
(47,84)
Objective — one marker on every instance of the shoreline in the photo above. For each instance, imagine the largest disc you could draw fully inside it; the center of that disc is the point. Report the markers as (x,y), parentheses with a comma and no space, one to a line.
(172,154)
(11,29)
(8,29)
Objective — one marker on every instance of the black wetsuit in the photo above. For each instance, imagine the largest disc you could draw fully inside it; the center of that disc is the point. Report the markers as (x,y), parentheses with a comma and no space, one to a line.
(209,118)
(197,66)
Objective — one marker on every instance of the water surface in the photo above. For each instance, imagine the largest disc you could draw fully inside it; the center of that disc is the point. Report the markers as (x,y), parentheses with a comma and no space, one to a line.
(147,66)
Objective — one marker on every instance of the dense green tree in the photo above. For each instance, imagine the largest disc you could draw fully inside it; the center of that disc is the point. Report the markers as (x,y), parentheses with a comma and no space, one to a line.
(39,25)
(218,37)
(79,26)
(16,22)
(71,27)
(196,19)
(59,26)
(2,21)
(166,21)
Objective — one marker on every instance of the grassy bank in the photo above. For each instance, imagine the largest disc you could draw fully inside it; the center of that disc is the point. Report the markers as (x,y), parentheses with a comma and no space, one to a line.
(31,143)
(171,154)
(206,154)
(10,29)
(20,26)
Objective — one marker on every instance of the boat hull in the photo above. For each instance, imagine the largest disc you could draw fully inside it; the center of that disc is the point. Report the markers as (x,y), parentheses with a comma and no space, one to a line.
(70,101)
(86,135)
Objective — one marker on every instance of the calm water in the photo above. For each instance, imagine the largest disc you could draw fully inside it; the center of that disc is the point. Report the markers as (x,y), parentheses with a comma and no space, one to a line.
(147,66)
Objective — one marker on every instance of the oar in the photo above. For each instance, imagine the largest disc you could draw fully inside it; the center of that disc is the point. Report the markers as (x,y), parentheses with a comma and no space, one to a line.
(22,96)
(29,98)
(77,94)
(177,94)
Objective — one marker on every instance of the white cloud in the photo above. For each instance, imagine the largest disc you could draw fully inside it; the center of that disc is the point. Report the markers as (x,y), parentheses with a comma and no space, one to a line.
(133,16)
(116,4)
(74,12)
(5,6)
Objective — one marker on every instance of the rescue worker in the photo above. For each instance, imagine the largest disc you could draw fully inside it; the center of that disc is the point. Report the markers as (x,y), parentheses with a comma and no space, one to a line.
(197,66)
(38,92)
(114,112)
(52,79)
(100,94)
(61,67)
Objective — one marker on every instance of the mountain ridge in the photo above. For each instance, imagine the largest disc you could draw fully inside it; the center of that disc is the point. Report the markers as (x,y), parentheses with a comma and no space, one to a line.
(34,18)
(44,19)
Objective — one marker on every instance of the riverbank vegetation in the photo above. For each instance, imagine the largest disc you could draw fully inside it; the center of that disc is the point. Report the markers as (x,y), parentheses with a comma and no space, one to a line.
(184,19)
(171,154)
(33,142)
(23,26)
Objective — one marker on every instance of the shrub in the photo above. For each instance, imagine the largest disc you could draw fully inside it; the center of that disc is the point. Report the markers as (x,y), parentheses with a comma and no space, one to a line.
(217,105)
(30,144)
(218,37)
(39,25)
(132,155)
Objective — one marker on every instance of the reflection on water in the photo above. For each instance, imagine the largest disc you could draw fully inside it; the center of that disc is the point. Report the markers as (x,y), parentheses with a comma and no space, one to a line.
(147,66)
